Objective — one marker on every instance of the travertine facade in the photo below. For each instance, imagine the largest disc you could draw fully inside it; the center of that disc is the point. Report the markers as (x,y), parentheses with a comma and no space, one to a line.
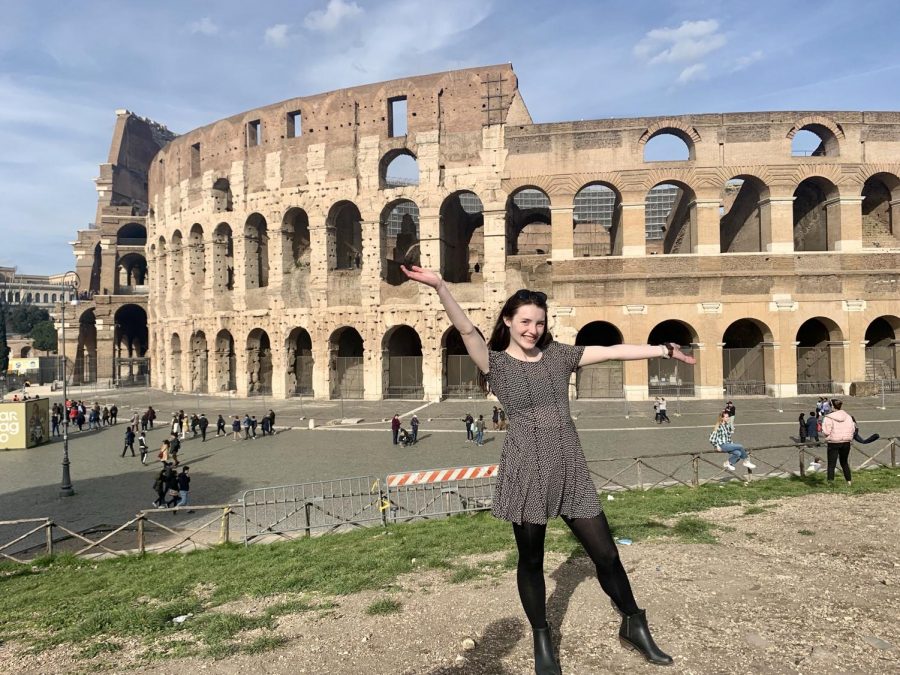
(275,237)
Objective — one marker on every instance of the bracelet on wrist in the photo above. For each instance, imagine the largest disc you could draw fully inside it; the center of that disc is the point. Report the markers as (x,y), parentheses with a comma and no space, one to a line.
(667,350)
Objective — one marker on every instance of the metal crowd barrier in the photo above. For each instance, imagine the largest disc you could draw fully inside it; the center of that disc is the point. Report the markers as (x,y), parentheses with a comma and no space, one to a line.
(440,492)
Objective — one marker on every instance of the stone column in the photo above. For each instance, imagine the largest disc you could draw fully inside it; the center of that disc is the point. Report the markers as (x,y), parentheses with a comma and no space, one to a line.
(430,239)
(241,363)
(777,223)
(373,360)
(433,367)
(276,259)
(562,233)
(634,233)
(846,212)
(635,374)
(279,365)
(839,352)
(705,223)
(320,261)
(374,264)
(895,217)
(494,269)
(322,362)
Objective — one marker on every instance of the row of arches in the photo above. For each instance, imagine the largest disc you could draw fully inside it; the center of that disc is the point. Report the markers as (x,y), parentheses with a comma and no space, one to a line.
(748,360)
(46,298)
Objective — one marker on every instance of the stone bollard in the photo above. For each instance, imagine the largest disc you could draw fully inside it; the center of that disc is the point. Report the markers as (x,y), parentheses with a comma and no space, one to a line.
(312,423)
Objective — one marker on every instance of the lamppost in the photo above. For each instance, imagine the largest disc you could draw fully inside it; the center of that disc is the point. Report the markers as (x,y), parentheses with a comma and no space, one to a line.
(72,280)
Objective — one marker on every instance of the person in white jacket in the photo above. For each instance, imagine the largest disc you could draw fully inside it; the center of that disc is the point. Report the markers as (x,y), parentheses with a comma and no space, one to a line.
(838,427)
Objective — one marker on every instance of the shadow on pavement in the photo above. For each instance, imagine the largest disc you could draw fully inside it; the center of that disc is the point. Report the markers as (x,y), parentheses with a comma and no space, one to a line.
(498,640)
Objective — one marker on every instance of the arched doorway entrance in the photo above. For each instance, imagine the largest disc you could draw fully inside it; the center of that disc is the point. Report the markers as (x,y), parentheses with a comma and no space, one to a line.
(600,380)
(668,377)
(226,362)
(131,365)
(259,363)
(461,377)
(299,363)
(881,352)
(199,363)
(744,361)
(346,351)
(86,353)
(818,361)
(402,363)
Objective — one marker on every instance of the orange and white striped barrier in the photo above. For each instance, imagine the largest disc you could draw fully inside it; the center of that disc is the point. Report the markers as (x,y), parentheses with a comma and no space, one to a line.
(441,475)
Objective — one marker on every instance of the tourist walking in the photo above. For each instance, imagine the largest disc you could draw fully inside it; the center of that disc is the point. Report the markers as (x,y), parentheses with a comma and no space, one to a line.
(543,472)
(663,415)
(163,454)
(220,426)
(495,419)
(159,486)
(812,427)
(479,430)
(414,425)
(839,429)
(271,421)
(656,410)
(395,428)
(54,421)
(264,425)
(236,428)
(104,417)
(802,431)
(174,449)
(129,441)
(114,414)
(720,439)
(142,446)
(151,415)
(470,431)
(184,487)
(172,494)
(203,423)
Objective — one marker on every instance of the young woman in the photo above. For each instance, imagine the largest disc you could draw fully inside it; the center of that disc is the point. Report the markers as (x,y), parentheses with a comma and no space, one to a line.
(720,438)
(543,472)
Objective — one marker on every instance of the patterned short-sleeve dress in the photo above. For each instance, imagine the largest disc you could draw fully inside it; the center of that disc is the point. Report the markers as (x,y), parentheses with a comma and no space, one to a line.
(543,472)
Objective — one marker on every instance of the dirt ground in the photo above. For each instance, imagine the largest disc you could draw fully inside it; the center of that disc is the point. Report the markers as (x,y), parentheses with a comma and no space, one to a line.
(808,585)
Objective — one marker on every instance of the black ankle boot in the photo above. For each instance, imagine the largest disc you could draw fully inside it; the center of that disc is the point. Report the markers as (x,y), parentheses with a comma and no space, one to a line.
(635,634)
(545,662)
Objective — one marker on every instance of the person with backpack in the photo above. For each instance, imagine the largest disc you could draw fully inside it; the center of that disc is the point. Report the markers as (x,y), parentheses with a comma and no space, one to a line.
(113,414)
(271,421)
(142,446)
(159,486)
(203,423)
(236,428)
(129,441)
(184,487)
(479,430)
(172,493)
(264,425)
(174,447)
(220,426)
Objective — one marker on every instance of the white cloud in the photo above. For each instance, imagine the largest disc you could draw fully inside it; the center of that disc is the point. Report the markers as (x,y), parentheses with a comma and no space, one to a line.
(687,43)
(745,61)
(694,72)
(277,35)
(329,18)
(205,26)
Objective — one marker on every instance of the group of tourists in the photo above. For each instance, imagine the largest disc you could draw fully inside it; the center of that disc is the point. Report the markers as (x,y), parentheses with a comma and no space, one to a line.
(839,428)
(660,413)
(400,435)
(172,488)
(245,428)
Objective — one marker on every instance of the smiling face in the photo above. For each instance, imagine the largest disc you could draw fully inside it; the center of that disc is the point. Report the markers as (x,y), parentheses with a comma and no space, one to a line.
(526,327)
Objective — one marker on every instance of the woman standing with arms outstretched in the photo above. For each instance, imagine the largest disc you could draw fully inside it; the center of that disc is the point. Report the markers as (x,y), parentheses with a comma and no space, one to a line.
(543,472)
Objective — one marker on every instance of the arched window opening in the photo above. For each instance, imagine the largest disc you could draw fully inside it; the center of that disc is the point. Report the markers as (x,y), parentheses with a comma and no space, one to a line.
(744,359)
(344,227)
(94,286)
(399,240)
(462,238)
(528,223)
(880,211)
(670,377)
(131,274)
(259,363)
(816,215)
(300,363)
(596,218)
(131,366)
(346,363)
(669,145)
(221,196)
(668,216)
(223,258)
(741,217)
(881,352)
(818,357)
(132,234)
(296,245)
(399,168)
(460,374)
(402,375)
(814,140)
(199,363)
(226,362)
(600,380)
(256,252)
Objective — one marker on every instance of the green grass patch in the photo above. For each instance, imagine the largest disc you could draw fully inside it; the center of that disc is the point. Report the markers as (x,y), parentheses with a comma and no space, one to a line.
(806,533)
(89,603)
(384,606)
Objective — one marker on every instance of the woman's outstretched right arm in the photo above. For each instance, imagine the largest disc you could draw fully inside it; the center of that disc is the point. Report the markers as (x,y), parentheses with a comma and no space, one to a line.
(473,341)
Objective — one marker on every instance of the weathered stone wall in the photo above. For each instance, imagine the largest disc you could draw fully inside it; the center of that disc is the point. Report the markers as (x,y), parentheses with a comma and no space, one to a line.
(249,199)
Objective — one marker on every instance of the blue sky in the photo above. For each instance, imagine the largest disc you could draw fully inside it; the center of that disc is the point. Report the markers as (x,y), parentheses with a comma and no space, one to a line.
(66,66)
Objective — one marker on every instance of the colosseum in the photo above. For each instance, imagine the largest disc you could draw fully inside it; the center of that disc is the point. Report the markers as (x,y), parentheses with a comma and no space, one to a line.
(274,240)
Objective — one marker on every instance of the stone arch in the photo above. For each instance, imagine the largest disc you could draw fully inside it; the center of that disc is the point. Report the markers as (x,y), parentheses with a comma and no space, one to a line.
(256,252)
(881,349)
(259,363)
(86,352)
(130,345)
(747,358)
(196,260)
(670,216)
(816,214)
(399,239)
(131,234)
(199,362)
(300,363)
(462,237)
(344,230)
(295,246)
(881,211)
(596,220)
(668,377)
(225,362)
(528,228)
(402,363)
(687,134)
(346,357)
(600,380)
(131,271)
(743,222)
(221,196)
(828,131)
(819,356)
(175,362)
(223,258)
(460,376)
(398,168)
(96,267)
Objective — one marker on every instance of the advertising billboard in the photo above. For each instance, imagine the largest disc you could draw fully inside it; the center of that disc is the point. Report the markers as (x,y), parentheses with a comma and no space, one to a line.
(24,424)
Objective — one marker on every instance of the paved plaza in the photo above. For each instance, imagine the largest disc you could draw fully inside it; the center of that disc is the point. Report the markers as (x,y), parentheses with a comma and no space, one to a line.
(111,489)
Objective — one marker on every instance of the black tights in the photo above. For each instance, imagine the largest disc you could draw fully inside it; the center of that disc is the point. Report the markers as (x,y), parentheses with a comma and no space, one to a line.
(595,537)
